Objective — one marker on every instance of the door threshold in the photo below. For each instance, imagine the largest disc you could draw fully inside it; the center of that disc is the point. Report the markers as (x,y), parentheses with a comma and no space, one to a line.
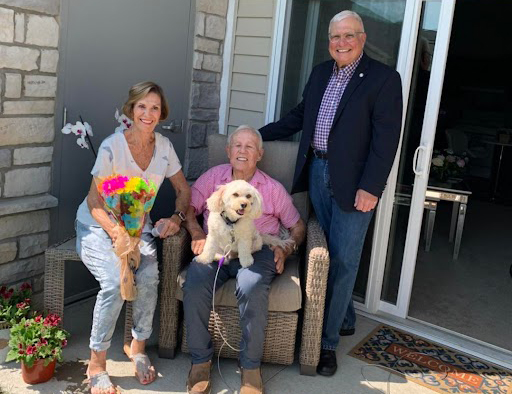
(443,336)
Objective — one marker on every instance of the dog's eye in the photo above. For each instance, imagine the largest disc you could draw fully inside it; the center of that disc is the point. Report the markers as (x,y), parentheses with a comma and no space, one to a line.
(248,196)
(235,194)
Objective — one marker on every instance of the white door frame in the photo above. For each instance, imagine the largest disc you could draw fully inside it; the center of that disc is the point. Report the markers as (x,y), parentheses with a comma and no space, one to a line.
(385,208)
(422,162)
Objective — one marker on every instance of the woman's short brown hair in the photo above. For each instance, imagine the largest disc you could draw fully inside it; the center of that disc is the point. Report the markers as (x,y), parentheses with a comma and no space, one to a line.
(141,90)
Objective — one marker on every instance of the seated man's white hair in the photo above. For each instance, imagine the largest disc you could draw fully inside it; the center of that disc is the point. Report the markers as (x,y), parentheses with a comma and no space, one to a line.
(346,14)
(248,128)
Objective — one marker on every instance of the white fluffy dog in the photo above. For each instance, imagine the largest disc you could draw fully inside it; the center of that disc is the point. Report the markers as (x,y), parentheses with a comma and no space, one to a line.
(233,208)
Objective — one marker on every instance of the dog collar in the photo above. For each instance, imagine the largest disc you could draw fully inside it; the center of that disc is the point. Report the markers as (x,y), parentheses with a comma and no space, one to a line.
(228,221)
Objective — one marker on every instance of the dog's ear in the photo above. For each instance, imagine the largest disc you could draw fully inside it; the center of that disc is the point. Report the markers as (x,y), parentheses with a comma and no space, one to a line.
(257,205)
(214,202)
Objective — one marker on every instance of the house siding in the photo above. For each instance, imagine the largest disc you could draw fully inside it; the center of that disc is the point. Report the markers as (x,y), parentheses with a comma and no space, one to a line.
(252,50)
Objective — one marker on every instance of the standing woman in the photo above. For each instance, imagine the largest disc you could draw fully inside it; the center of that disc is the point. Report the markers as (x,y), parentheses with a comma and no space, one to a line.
(136,152)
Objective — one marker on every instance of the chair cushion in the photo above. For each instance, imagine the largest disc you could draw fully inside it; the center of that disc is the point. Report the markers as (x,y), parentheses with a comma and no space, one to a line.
(285,293)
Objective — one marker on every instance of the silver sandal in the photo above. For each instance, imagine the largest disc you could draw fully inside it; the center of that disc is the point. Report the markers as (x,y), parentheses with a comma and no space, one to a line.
(142,367)
(102,381)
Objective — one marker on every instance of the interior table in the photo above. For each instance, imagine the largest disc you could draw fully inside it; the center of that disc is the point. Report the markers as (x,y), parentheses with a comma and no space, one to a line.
(458,194)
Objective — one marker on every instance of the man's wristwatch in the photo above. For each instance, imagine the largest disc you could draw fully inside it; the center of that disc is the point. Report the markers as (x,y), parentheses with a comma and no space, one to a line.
(180,215)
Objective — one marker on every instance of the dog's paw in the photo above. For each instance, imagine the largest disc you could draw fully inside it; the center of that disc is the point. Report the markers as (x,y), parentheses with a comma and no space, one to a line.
(203,258)
(246,261)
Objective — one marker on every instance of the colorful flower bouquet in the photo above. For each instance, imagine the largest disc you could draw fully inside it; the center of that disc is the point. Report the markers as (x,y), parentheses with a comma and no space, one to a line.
(445,164)
(37,343)
(14,304)
(128,200)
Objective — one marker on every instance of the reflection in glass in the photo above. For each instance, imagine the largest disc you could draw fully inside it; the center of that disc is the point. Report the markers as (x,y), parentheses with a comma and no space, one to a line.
(410,141)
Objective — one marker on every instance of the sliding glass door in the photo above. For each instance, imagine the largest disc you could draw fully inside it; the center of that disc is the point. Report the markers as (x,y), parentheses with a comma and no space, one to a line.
(422,60)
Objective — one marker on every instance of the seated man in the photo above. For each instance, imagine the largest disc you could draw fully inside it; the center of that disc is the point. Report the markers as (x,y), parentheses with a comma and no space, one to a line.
(244,150)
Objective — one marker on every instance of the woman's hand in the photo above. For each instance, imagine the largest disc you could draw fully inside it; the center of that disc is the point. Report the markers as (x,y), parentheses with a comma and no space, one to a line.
(168,226)
(120,239)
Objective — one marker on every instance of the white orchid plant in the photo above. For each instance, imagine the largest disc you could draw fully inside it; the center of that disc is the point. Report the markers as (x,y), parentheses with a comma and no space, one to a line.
(124,122)
(83,130)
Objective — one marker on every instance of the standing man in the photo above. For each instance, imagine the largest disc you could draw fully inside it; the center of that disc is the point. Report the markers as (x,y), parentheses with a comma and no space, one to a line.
(350,116)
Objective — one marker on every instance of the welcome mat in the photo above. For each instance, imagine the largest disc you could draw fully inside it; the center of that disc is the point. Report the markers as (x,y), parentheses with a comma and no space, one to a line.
(434,366)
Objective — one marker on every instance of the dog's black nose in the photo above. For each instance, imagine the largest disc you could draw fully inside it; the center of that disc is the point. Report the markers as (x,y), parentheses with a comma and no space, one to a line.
(243,205)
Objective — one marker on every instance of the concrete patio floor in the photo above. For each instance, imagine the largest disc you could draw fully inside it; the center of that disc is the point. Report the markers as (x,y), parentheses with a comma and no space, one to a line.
(69,376)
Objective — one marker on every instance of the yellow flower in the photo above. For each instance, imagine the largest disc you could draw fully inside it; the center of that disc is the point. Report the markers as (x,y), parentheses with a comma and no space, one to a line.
(137,209)
(133,185)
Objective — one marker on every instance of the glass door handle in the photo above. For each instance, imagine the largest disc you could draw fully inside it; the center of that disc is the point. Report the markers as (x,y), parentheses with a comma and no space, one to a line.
(415,163)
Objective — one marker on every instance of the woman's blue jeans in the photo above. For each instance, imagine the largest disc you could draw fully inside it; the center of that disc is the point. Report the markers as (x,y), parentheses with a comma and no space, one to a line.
(94,247)
(345,233)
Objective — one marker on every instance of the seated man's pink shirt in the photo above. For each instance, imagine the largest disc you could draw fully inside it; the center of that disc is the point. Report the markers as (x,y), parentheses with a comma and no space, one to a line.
(277,203)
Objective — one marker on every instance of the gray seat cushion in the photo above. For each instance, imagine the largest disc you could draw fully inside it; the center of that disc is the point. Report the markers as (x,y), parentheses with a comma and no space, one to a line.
(285,293)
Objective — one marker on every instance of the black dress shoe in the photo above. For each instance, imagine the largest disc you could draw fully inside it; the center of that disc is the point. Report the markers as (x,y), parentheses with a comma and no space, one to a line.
(327,365)
(347,332)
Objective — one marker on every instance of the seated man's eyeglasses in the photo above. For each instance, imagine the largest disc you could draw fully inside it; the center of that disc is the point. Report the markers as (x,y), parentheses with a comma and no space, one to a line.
(347,37)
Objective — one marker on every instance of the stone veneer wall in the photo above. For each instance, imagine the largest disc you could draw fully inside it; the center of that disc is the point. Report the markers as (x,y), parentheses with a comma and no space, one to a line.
(29,36)
(210,31)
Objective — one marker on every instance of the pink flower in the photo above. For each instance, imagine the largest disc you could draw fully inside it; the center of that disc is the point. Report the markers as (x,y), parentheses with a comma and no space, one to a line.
(31,350)
(21,351)
(20,346)
(110,186)
(25,286)
(38,319)
(8,294)
(64,342)
(3,289)
(51,320)
(461,163)
(21,305)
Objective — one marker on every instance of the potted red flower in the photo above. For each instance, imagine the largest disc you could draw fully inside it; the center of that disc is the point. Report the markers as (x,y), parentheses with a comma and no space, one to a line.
(14,305)
(37,343)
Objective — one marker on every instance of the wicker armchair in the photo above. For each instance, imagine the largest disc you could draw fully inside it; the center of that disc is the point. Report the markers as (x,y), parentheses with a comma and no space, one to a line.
(279,347)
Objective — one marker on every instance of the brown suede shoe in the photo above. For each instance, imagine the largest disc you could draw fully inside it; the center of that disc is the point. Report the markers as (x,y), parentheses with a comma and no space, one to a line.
(198,381)
(251,381)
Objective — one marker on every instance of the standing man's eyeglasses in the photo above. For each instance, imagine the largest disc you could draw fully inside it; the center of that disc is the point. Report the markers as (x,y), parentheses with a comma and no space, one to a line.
(347,37)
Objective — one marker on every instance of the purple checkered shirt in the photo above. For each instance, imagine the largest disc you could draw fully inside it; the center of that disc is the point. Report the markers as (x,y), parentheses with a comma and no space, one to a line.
(332,96)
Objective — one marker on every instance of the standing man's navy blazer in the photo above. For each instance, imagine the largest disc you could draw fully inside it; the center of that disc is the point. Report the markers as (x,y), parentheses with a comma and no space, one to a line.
(365,131)
(348,168)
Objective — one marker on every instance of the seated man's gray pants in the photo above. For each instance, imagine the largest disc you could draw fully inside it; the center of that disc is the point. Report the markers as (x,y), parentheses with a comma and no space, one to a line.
(252,289)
